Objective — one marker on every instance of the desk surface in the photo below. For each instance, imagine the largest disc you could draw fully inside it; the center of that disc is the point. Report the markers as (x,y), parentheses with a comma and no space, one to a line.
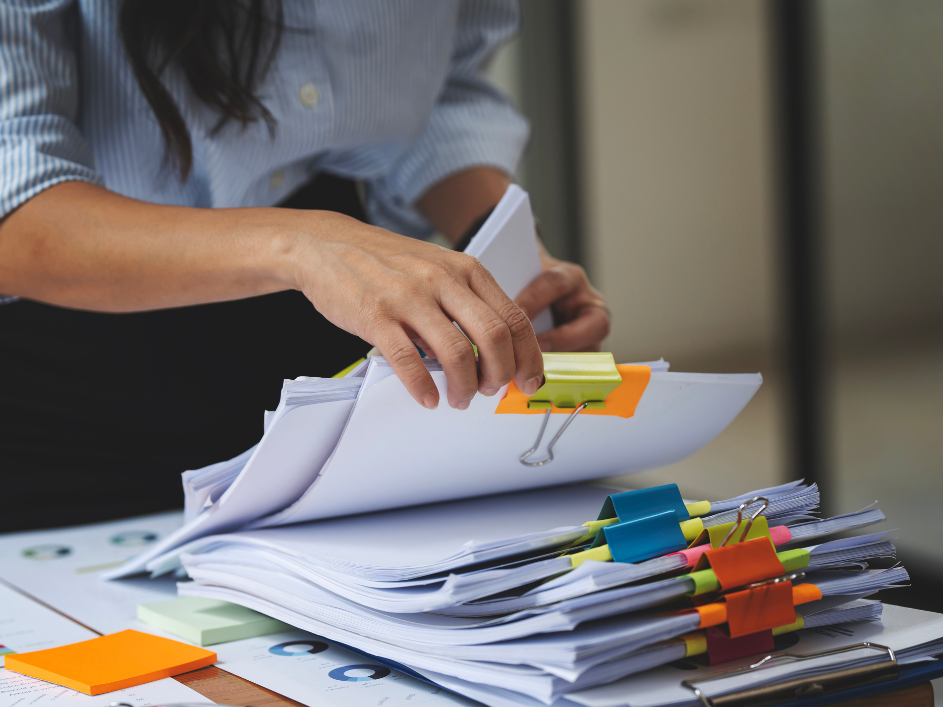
(225,688)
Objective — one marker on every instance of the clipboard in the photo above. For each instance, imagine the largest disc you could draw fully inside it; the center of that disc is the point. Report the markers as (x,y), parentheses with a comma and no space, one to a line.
(837,686)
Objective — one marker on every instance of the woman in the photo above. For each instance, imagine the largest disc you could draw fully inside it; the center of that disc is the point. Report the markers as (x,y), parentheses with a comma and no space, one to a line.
(143,146)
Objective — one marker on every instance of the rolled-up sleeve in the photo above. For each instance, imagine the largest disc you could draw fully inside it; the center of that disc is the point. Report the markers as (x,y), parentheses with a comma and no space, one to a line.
(40,143)
(472,124)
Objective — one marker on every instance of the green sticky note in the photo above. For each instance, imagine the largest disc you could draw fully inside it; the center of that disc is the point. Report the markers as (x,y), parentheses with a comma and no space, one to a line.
(794,560)
(704,581)
(208,621)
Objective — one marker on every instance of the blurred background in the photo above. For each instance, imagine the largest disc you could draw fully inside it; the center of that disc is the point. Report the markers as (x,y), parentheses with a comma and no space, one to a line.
(757,185)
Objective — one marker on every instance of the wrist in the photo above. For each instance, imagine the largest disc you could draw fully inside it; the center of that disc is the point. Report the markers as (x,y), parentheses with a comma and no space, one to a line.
(281,241)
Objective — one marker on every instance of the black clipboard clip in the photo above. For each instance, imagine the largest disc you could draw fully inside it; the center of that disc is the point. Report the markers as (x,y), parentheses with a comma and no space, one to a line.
(799,688)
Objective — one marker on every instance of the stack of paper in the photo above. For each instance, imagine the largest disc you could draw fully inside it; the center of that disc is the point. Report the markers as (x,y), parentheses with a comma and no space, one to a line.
(432,541)
(511,609)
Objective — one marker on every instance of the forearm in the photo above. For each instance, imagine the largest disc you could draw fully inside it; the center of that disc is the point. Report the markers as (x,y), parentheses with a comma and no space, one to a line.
(79,245)
(456,202)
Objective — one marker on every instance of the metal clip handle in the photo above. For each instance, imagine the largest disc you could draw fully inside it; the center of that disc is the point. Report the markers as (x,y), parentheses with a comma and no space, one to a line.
(743,507)
(540,436)
(788,690)
(794,577)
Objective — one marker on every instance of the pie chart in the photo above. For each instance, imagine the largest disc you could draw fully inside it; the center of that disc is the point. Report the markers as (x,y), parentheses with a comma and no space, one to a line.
(298,648)
(46,552)
(361,673)
(133,538)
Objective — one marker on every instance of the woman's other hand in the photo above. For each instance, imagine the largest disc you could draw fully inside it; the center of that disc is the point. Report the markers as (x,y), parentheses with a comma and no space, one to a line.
(579,310)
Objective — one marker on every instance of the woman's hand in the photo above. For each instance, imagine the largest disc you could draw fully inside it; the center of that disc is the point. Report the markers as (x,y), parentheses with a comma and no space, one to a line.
(393,291)
(579,310)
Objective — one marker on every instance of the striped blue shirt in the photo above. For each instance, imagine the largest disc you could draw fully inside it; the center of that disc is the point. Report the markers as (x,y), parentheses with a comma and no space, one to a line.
(390,92)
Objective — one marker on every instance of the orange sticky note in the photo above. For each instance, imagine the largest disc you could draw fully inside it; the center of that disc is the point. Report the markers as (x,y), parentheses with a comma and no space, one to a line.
(112,662)
(621,402)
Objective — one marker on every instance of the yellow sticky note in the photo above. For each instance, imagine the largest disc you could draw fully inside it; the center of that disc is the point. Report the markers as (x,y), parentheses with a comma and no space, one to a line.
(112,662)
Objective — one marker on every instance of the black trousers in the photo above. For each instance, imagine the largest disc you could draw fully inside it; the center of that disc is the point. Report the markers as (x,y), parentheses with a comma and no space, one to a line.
(100,413)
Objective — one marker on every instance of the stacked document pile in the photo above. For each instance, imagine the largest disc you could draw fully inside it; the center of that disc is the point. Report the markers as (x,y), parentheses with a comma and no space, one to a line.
(511,598)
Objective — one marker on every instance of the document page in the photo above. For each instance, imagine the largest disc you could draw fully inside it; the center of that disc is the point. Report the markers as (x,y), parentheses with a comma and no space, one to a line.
(395,453)
(21,691)
(62,567)
(306,668)
(26,625)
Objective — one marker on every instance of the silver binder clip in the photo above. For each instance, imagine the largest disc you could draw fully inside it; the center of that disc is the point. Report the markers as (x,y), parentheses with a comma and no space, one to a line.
(743,507)
(571,380)
(540,436)
(791,689)
(794,577)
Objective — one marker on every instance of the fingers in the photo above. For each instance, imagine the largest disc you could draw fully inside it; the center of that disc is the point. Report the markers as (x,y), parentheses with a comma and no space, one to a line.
(491,335)
(452,350)
(550,286)
(528,362)
(585,333)
(574,300)
(404,358)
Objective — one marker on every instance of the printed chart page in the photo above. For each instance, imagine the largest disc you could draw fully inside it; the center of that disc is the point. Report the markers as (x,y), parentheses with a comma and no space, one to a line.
(62,567)
(305,668)
(21,691)
(26,625)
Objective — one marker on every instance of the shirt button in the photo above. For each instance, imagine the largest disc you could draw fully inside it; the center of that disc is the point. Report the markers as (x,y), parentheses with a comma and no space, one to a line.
(276,181)
(308,95)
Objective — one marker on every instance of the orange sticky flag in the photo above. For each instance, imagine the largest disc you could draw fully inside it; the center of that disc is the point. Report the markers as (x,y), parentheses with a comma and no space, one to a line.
(621,402)
(112,662)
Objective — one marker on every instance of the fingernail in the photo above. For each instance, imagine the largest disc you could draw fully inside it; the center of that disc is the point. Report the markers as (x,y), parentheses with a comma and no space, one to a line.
(430,401)
(463,405)
(489,391)
(531,386)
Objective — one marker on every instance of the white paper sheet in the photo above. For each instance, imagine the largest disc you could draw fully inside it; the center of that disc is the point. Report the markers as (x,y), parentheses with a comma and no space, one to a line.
(413,542)
(506,244)
(433,596)
(26,625)
(395,453)
(284,464)
(305,668)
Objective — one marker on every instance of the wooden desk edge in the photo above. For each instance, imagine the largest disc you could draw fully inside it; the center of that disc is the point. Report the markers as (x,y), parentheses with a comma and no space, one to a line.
(225,688)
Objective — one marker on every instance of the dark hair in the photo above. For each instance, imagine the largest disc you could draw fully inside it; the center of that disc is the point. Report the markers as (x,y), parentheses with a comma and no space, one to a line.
(223,47)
